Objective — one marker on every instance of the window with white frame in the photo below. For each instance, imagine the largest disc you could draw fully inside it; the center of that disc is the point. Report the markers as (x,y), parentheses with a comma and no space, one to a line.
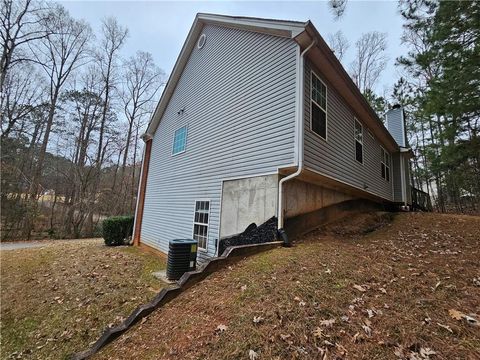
(385,164)
(318,107)
(358,141)
(200,223)
(179,140)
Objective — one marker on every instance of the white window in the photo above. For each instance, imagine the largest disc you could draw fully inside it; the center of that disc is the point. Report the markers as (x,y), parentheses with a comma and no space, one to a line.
(385,164)
(179,140)
(318,107)
(200,223)
(358,135)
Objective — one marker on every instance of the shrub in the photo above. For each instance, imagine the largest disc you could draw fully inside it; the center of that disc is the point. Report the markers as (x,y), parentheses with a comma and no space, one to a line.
(117,230)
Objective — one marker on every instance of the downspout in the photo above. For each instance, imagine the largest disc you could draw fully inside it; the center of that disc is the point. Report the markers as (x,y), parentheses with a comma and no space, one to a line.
(299,132)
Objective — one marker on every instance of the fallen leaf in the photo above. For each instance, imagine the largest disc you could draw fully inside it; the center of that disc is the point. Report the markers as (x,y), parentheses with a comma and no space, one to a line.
(399,351)
(359,288)
(252,355)
(341,348)
(221,328)
(327,323)
(318,333)
(323,353)
(426,352)
(257,319)
(427,320)
(472,321)
(357,337)
(455,314)
(446,327)
(367,330)
(458,315)
(328,343)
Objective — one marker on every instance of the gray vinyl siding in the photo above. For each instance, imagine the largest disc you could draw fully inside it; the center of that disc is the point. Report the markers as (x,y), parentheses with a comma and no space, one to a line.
(395,125)
(397,178)
(336,156)
(238,93)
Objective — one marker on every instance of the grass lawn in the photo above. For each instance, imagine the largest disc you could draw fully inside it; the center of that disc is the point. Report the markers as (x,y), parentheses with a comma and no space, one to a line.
(57,299)
(407,290)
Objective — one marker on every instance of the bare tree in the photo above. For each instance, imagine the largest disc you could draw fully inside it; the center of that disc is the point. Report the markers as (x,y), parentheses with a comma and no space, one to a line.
(142,82)
(337,7)
(83,109)
(21,22)
(23,92)
(70,116)
(59,54)
(370,60)
(338,43)
(107,56)
(114,36)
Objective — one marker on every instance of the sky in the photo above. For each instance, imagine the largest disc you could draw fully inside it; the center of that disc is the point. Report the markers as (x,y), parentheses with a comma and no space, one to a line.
(161,27)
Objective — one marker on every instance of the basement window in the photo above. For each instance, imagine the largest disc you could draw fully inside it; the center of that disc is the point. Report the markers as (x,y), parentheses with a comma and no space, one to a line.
(200,223)
(179,140)
(385,164)
(358,141)
(318,107)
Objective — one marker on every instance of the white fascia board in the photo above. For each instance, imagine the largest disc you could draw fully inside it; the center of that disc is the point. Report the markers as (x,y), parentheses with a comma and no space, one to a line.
(275,27)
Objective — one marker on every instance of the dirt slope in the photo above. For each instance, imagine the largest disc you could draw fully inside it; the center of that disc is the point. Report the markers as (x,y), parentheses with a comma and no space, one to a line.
(348,291)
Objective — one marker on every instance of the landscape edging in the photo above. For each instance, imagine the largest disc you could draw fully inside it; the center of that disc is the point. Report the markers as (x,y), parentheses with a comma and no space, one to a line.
(229,256)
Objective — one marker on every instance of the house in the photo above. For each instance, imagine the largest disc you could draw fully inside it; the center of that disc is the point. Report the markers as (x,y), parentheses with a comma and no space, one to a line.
(259,120)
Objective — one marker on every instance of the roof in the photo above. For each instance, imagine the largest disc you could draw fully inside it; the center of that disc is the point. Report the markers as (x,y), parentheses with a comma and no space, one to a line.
(304,33)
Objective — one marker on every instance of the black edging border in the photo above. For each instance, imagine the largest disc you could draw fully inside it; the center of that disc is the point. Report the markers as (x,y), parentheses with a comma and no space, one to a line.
(229,256)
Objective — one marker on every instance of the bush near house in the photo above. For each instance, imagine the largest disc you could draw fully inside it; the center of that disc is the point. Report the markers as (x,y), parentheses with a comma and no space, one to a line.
(117,230)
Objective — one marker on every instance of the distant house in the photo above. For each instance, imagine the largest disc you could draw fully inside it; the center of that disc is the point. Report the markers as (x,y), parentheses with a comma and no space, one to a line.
(259,119)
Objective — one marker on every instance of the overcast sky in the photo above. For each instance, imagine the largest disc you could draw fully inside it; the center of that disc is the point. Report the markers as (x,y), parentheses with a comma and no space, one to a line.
(161,27)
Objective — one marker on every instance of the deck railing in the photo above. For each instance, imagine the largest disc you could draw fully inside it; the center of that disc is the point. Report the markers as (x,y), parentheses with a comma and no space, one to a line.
(421,200)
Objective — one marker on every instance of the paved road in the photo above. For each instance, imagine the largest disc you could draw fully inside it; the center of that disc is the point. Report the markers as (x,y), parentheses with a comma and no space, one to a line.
(20,245)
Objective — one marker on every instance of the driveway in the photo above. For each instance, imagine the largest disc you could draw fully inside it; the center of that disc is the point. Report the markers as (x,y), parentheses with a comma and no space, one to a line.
(20,245)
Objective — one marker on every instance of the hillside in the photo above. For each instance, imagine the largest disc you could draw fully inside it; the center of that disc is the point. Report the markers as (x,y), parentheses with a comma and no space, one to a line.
(369,287)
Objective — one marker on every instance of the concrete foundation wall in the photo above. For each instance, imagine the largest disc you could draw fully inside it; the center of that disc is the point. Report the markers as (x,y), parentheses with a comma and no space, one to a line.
(254,200)
(302,197)
(246,201)
(301,224)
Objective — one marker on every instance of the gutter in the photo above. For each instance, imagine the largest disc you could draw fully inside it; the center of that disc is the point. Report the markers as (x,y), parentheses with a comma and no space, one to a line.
(300,138)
